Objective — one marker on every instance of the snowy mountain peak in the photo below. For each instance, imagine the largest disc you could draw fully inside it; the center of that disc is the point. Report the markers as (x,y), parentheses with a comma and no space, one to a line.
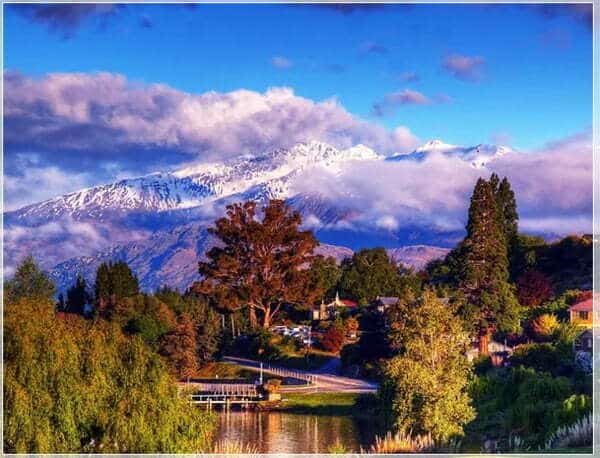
(435,145)
(361,151)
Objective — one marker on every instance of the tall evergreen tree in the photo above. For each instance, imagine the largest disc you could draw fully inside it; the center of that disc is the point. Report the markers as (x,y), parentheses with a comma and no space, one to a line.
(114,282)
(507,204)
(78,297)
(490,299)
(29,281)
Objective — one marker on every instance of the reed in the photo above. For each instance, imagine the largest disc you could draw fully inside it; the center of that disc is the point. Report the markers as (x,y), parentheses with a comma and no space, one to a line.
(579,434)
(234,447)
(402,443)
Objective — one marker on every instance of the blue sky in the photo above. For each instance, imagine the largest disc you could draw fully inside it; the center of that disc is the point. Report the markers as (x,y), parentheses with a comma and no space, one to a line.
(467,74)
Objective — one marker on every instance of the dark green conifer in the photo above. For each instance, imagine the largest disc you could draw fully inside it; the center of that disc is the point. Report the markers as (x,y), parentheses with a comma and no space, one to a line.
(77,297)
(490,299)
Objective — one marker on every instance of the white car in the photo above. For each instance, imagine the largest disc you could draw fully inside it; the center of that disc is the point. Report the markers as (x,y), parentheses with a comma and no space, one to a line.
(280,330)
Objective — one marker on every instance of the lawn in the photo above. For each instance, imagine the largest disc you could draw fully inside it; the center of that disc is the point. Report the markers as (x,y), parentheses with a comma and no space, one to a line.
(313,361)
(224,370)
(319,403)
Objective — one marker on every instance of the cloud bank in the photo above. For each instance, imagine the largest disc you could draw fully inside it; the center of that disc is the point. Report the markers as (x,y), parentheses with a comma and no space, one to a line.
(90,113)
(553,186)
(81,122)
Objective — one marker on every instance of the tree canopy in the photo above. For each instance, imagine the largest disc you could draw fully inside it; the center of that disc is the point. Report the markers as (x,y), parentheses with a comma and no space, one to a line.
(77,385)
(424,388)
(261,265)
(490,299)
(368,274)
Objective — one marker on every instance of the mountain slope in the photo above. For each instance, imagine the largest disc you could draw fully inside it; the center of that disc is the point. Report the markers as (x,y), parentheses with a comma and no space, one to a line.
(166,258)
(171,258)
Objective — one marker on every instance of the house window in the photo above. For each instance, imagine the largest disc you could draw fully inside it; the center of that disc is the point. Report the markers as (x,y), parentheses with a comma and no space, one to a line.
(583,315)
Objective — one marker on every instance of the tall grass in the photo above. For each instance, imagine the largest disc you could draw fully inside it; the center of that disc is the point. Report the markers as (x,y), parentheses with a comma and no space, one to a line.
(401,443)
(579,434)
(234,447)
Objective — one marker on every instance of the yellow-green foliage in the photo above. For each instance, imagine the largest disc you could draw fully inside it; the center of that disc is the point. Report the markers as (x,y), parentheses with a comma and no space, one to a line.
(544,325)
(424,387)
(73,385)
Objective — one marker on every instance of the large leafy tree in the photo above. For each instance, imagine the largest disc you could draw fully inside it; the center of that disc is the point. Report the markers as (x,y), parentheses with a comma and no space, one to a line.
(368,274)
(325,275)
(490,300)
(261,265)
(424,388)
(75,385)
(533,288)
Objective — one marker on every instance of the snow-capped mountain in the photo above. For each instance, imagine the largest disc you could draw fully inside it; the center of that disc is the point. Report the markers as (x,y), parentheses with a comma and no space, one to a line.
(130,211)
(259,177)
(478,156)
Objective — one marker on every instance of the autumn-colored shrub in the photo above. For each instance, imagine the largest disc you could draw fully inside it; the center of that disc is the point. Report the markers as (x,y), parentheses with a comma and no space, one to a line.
(533,288)
(333,340)
(179,347)
(544,326)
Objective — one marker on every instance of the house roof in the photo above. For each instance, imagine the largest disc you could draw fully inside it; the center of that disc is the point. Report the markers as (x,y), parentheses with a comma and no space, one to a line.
(349,303)
(583,306)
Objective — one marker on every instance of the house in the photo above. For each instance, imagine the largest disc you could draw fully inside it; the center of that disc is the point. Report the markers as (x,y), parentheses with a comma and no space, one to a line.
(499,352)
(581,313)
(326,311)
(584,342)
(381,303)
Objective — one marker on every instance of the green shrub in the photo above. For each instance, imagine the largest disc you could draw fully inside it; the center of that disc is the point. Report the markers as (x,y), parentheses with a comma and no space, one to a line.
(545,357)
(482,364)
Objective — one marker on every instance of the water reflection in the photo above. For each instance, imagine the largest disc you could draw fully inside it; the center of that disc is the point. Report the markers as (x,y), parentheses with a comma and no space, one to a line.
(280,432)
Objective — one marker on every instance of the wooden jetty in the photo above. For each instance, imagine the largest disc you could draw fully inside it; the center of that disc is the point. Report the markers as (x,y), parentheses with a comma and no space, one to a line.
(225,394)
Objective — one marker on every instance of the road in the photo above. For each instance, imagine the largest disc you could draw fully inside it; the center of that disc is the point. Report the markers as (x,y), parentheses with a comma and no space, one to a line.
(322,383)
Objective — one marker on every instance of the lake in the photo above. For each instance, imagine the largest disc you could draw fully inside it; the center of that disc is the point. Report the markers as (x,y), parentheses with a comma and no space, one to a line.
(281,432)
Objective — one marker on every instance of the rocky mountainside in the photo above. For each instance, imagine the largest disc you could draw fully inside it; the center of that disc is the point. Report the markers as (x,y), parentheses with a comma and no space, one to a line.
(171,258)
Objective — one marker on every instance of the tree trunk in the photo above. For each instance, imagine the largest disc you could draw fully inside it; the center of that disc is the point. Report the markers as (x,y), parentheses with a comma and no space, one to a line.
(266,321)
(252,317)
(484,338)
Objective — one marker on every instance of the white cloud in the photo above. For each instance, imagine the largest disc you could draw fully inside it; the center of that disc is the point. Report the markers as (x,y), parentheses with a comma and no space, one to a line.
(104,113)
(35,183)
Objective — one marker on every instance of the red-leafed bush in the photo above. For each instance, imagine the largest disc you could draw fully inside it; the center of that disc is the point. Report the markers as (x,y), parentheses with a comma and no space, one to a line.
(533,288)
(333,340)
(583,296)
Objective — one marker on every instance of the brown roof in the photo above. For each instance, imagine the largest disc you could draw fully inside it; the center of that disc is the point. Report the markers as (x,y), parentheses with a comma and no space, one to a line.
(583,306)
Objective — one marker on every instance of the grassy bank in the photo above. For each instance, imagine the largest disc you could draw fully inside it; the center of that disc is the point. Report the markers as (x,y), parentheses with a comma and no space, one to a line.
(224,370)
(312,361)
(319,403)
